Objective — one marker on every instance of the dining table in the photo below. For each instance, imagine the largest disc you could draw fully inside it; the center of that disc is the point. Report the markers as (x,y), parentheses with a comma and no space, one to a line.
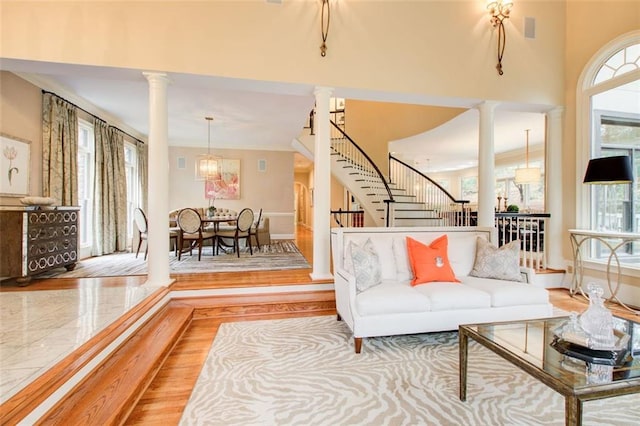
(217,220)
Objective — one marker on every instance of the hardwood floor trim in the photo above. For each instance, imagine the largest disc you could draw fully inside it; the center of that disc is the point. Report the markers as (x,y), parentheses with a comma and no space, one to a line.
(27,399)
(320,302)
(110,393)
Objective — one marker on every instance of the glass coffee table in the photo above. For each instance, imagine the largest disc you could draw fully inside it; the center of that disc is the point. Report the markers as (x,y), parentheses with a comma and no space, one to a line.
(527,345)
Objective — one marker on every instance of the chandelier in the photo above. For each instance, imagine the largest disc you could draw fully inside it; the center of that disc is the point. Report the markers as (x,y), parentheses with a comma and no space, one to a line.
(208,166)
(527,174)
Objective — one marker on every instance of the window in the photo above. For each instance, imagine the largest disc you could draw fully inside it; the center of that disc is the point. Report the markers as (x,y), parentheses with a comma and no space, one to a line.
(131,172)
(469,189)
(611,105)
(528,198)
(86,171)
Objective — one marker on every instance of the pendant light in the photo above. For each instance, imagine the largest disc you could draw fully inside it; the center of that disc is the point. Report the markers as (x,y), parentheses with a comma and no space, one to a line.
(526,175)
(209,165)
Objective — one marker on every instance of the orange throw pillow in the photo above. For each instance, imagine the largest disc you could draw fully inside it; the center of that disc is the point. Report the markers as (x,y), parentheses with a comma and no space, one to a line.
(430,263)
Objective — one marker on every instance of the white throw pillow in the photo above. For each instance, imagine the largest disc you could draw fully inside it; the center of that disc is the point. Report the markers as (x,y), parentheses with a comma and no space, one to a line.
(401,256)
(366,265)
(498,263)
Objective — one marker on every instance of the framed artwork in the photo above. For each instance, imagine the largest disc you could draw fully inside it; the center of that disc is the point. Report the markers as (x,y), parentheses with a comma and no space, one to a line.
(225,185)
(14,166)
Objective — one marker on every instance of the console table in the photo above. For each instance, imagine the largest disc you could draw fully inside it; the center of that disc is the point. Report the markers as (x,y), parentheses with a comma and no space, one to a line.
(36,240)
(612,241)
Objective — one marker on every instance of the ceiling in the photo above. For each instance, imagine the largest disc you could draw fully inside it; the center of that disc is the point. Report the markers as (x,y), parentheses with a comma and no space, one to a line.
(251,114)
(453,145)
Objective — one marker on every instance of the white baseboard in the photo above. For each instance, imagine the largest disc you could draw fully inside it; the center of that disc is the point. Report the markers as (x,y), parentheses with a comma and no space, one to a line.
(283,236)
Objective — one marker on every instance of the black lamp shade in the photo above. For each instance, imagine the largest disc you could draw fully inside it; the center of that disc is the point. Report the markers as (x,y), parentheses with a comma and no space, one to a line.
(609,170)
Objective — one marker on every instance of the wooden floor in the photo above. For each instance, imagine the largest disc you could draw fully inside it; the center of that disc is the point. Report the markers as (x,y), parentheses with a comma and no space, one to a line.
(166,397)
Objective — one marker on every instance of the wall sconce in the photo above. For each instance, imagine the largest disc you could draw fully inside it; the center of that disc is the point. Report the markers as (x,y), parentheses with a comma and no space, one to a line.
(499,11)
(325,17)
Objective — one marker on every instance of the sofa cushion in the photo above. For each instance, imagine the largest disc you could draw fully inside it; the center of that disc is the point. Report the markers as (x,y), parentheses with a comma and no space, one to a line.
(499,263)
(430,263)
(444,296)
(391,297)
(401,258)
(366,265)
(382,246)
(508,293)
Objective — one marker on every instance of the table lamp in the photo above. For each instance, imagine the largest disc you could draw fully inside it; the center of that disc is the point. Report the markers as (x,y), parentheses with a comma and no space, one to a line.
(609,171)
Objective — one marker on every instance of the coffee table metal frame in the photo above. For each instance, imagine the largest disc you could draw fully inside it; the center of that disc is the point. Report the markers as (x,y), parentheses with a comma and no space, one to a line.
(574,396)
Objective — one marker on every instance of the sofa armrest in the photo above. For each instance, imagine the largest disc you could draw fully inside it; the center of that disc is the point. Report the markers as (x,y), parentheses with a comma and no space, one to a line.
(528,275)
(345,290)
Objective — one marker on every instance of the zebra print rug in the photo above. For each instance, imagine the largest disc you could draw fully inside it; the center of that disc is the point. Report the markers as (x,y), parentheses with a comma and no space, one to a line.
(304,371)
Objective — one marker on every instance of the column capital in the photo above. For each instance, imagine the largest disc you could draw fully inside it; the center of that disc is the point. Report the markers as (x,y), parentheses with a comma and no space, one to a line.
(323,90)
(156,76)
(487,105)
(555,112)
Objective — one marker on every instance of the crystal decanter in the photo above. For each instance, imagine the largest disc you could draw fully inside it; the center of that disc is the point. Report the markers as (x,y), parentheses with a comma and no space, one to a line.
(597,321)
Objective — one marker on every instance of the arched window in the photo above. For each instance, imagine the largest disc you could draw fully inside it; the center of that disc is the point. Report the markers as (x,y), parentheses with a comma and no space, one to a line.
(609,125)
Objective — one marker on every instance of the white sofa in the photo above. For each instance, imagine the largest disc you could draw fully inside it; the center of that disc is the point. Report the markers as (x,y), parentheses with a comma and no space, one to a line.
(396,307)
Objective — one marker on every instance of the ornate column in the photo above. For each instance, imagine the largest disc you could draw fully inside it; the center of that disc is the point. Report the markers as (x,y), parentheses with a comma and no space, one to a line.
(553,187)
(486,165)
(158,181)
(322,190)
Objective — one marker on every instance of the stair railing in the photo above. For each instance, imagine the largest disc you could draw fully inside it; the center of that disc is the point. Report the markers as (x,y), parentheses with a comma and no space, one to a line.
(379,193)
(348,218)
(452,212)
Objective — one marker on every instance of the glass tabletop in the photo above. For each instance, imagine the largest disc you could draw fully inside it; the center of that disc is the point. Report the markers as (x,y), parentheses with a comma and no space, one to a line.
(531,342)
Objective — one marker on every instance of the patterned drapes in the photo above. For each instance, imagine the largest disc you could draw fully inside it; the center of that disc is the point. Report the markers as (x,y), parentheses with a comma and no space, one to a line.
(110,195)
(143,155)
(59,150)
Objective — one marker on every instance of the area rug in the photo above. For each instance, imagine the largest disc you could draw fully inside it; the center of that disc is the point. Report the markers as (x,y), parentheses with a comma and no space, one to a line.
(304,371)
(277,255)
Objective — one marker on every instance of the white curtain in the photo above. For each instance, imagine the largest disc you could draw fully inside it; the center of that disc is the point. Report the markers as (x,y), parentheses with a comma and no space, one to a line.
(59,150)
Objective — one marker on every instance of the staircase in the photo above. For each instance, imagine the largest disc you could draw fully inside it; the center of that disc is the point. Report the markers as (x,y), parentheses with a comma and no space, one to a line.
(407,198)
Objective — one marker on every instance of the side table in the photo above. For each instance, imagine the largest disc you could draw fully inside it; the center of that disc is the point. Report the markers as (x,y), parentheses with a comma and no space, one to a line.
(612,241)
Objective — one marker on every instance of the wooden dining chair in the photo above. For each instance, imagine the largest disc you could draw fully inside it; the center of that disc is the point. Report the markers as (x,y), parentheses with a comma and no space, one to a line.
(140,219)
(253,231)
(190,224)
(243,226)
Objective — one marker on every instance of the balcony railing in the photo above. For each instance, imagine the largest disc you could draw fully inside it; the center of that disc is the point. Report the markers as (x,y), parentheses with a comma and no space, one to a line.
(529,228)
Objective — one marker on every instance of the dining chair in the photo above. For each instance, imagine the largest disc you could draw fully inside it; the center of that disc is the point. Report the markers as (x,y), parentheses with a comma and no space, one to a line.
(253,231)
(140,219)
(243,226)
(190,224)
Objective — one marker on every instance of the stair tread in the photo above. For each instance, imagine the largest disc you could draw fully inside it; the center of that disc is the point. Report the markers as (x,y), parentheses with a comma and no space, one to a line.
(109,394)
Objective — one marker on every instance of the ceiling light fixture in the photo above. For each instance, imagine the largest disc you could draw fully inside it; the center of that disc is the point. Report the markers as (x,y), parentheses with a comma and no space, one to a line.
(499,11)
(209,164)
(527,174)
(325,17)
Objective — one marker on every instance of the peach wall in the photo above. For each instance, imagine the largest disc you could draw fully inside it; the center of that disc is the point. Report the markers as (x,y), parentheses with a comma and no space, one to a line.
(20,116)
(406,47)
(373,124)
